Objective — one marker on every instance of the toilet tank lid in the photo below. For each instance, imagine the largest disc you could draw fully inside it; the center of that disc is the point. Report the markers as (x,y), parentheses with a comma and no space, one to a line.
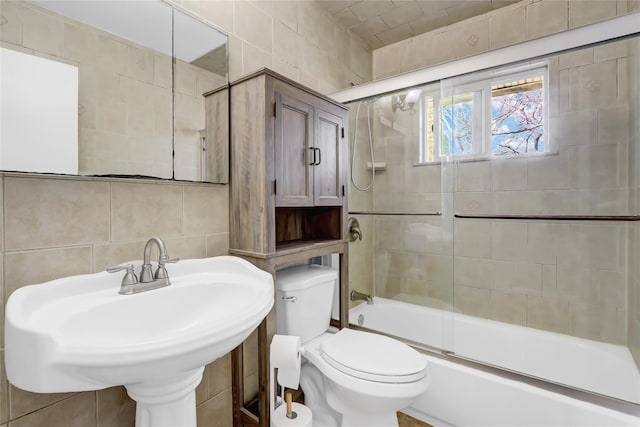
(303,276)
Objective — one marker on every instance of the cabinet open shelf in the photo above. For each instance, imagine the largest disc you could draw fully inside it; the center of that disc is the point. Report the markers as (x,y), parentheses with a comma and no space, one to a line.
(295,246)
(307,224)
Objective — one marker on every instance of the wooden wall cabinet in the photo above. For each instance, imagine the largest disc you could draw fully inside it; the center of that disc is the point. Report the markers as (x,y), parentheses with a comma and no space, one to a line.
(308,162)
(287,194)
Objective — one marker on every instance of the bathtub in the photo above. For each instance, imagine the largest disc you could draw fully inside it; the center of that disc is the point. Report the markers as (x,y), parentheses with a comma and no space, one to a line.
(461,395)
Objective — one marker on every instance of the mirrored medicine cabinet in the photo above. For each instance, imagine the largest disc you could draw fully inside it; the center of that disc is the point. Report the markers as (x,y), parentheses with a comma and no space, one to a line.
(109,89)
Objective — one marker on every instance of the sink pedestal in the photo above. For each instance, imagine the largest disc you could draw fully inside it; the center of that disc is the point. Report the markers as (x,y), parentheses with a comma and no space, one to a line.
(167,403)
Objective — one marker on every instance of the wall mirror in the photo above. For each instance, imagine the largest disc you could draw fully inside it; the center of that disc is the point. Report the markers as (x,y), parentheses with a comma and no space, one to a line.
(142,68)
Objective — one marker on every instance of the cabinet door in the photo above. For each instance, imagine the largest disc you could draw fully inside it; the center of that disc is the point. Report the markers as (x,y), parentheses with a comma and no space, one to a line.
(327,168)
(293,130)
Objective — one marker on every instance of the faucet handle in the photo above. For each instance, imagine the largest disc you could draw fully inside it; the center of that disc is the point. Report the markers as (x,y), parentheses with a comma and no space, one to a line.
(129,276)
(161,272)
(164,259)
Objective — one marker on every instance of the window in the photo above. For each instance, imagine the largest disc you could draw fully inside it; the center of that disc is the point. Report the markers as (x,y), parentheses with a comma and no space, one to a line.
(517,116)
(497,114)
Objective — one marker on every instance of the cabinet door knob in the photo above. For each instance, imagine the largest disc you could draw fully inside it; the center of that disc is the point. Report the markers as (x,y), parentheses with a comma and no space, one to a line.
(319,157)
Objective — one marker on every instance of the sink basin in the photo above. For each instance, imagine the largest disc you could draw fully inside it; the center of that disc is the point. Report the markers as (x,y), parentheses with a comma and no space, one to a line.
(79,334)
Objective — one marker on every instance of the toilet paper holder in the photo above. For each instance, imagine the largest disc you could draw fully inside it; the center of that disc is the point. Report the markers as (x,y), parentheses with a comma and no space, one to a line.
(291,414)
(285,355)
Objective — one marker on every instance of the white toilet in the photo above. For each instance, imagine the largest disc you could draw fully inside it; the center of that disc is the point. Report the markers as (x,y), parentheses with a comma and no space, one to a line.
(350,378)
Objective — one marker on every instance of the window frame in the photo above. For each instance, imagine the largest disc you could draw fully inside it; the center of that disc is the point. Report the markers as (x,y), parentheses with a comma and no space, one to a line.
(480,86)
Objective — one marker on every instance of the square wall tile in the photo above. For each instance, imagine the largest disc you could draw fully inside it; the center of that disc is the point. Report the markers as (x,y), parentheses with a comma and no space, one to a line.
(518,278)
(441,47)
(518,202)
(422,236)
(217,244)
(506,28)
(472,272)
(546,17)
(472,239)
(187,247)
(206,209)
(141,210)
(596,322)
(584,12)
(388,233)
(473,301)
(386,62)
(509,308)
(23,402)
(288,45)
(42,31)
(542,241)
(474,176)
(509,174)
(202,389)
(4,390)
(116,253)
(613,125)
(548,172)
(115,408)
(76,411)
(254,58)
(573,128)
(577,285)
(509,241)
(217,411)
(219,13)
(593,86)
(253,25)
(12,27)
(472,38)
(42,213)
(548,314)
(219,374)
(32,267)
(360,60)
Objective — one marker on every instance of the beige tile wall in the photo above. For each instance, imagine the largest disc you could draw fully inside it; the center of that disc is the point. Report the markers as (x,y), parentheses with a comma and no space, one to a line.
(567,277)
(55,227)
(298,39)
(526,20)
(563,277)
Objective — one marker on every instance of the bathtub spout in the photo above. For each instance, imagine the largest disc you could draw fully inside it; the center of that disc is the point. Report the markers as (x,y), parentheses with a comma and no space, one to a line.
(355,295)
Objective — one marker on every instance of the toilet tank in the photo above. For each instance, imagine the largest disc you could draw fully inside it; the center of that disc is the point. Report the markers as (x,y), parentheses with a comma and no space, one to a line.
(304,296)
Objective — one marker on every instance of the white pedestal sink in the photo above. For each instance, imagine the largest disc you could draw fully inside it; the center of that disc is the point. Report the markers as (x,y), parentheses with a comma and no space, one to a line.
(79,334)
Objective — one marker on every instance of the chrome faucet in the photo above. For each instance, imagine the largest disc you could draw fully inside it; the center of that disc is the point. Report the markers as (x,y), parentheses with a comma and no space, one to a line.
(355,296)
(148,280)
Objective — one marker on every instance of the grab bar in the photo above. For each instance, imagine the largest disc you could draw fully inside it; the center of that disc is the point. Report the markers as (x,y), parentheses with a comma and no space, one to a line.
(553,217)
(396,213)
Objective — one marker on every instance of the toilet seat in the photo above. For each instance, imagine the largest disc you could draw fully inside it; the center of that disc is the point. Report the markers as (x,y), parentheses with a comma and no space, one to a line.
(373,357)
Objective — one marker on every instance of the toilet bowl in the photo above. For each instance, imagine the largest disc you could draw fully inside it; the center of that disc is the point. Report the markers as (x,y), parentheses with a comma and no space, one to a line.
(350,378)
